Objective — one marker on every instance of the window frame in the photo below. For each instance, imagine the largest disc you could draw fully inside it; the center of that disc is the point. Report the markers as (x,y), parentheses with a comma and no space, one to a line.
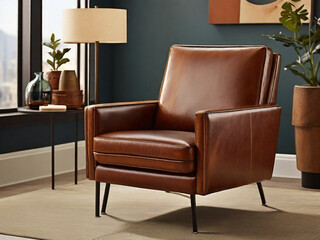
(30,48)
(19,54)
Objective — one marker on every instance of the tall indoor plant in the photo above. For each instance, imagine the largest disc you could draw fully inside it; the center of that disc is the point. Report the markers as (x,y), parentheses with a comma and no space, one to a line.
(55,61)
(306,98)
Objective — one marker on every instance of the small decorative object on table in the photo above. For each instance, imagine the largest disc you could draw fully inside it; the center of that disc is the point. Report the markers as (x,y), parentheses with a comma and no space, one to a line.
(69,81)
(306,108)
(56,62)
(38,92)
(53,108)
(69,93)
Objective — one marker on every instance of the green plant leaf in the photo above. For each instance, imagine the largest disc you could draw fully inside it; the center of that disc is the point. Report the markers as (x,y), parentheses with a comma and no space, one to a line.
(287,6)
(51,64)
(315,40)
(292,66)
(292,19)
(303,40)
(65,50)
(55,45)
(49,45)
(288,41)
(59,55)
(305,45)
(299,9)
(296,72)
(62,61)
(52,37)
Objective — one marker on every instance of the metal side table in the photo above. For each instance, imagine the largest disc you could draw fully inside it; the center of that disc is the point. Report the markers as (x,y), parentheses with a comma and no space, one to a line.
(74,112)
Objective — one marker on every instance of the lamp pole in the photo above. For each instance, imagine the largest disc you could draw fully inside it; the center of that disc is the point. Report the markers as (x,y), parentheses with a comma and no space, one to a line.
(96,69)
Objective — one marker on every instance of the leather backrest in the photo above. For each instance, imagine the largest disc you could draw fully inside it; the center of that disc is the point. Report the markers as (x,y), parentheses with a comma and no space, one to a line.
(213,77)
(273,88)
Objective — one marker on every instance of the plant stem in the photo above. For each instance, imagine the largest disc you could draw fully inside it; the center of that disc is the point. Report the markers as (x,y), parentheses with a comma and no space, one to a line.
(298,53)
(306,72)
(312,66)
(54,57)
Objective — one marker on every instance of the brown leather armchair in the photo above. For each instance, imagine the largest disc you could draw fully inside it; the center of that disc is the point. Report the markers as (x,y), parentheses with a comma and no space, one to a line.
(214,127)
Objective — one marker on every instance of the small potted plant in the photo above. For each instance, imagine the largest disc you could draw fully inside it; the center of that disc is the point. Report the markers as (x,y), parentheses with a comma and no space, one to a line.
(306,98)
(56,60)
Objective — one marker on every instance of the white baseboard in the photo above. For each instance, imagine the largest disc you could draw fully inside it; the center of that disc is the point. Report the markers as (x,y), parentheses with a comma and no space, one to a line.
(27,165)
(285,166)
(23,166)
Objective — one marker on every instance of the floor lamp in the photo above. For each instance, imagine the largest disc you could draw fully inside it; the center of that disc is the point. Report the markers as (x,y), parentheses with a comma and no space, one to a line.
(94,25)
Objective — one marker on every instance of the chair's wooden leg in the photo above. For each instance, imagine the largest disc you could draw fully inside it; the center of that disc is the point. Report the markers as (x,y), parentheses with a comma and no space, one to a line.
(105,199)
(194,213)
(263,199)
(97,199)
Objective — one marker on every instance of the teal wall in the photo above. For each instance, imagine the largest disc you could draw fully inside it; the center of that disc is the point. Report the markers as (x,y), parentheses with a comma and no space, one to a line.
(154,25)
(27,136)
(134,71)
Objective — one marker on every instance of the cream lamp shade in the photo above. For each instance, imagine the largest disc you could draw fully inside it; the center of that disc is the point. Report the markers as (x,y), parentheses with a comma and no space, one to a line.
(94,25)
(90,25)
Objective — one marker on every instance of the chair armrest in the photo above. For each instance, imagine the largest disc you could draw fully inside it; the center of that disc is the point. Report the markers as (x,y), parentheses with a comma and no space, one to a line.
(109,117)
(235,146)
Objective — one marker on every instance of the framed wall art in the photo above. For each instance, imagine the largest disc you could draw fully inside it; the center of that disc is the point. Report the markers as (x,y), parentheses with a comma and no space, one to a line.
(246,12)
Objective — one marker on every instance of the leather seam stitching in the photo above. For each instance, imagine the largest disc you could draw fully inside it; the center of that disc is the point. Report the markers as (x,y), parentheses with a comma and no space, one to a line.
(144,157)
(94,133)
(242,109)
(152,141)
(124,154)
(204,151)
(127,104)
(149,167)
(251,148)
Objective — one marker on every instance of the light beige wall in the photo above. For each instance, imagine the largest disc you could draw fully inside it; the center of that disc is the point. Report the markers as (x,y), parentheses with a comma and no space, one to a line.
(22,166)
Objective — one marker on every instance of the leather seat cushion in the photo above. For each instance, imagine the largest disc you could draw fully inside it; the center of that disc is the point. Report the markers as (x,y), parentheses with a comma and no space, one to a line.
(163,150)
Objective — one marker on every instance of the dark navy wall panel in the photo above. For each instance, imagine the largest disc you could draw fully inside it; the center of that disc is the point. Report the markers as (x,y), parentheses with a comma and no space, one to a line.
(134,71)
(154,25)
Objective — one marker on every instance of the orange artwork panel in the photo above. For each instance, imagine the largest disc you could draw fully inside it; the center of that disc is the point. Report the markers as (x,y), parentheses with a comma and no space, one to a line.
(245,12)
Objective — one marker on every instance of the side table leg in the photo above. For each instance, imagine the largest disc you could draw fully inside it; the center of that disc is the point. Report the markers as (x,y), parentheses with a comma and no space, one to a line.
(52,151)
(76,151)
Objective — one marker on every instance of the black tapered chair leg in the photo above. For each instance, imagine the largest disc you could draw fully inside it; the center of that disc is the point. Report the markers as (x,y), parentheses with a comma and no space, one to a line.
(105,199)
(97,199)
(263,199)
(194,213)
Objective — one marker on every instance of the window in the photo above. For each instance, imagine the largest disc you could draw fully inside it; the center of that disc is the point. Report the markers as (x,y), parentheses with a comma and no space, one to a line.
(52,23)
(24,25)
(8,53)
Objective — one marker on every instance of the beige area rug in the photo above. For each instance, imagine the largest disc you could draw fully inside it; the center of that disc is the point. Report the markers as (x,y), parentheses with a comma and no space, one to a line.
(67,213)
